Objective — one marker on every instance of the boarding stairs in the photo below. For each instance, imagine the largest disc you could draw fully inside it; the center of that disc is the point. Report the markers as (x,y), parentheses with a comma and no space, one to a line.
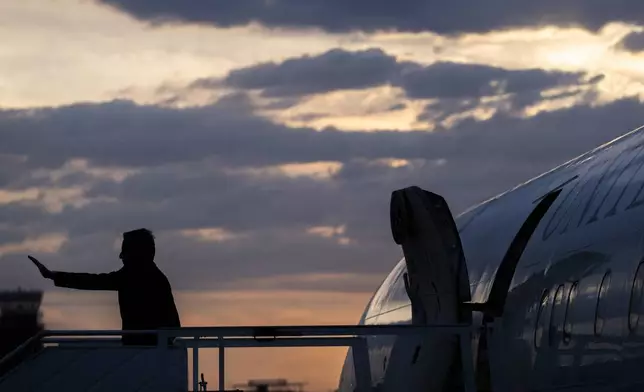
(94,361)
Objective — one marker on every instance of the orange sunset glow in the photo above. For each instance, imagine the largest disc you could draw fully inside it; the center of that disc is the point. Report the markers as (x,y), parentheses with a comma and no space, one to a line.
(319,367)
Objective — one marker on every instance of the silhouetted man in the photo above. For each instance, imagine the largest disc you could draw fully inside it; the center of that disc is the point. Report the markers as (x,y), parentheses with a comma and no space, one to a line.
(145,295)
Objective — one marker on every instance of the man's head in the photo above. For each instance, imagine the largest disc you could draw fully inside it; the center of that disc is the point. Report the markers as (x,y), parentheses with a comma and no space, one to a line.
(138,246)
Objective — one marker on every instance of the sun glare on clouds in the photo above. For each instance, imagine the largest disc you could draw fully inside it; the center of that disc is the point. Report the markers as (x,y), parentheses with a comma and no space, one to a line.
(107,54)
(103,53)
(215,234)
(331,232)
(52,199)
(379,108)
(75,166)
(318,170)
(550,48)
(46,243)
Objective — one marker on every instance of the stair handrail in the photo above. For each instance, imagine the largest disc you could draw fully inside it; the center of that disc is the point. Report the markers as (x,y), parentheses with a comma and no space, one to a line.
(21,348)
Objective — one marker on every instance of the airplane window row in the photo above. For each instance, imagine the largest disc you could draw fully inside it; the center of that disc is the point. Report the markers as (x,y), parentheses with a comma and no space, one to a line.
(555,318)
(558,317)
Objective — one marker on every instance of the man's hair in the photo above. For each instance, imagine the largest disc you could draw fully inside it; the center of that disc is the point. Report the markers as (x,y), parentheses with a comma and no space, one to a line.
(141,241)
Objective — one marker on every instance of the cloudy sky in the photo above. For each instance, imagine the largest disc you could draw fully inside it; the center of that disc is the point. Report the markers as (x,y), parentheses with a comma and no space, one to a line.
(261,140)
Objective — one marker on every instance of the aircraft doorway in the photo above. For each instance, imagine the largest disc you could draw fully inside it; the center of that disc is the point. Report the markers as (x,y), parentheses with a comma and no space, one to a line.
(495,304)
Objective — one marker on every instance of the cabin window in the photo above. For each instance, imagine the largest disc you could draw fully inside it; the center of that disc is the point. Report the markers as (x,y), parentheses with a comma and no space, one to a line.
(398,297)
(635,302)
(567,330)
(379,299)
(601,307)
(556,315)
(397,306)
(540,321)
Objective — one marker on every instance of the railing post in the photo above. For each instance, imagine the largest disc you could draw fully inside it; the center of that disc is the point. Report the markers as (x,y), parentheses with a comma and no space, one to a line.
(222,368)
(195,364)
(162,339)
(361,365)
(467,359)
(492,332)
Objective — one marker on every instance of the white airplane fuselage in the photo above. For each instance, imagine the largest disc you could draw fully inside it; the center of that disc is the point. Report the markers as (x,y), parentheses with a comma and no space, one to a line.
(573,314)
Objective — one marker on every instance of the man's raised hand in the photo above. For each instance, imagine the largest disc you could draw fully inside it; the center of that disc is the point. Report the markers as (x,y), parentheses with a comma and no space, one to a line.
(44,271)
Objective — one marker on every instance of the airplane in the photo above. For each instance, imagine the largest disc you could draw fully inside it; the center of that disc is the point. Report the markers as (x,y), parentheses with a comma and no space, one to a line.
(553,267)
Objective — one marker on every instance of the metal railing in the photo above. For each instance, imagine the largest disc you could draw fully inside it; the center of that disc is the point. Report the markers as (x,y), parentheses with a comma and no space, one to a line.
(15,356)
(276,336)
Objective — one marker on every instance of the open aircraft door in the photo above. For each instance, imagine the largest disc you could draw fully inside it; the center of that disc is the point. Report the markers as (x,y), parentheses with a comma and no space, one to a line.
(437,283)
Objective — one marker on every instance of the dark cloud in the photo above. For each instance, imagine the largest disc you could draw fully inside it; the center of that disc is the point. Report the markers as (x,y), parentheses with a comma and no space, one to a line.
(633,42)
(443,109)
(396,107)
(456,80)
(439,111)
(443,17)
(17,214)
(11,235)
(336,69)
(123,133)
(271,212)
(11,167)
(455,84)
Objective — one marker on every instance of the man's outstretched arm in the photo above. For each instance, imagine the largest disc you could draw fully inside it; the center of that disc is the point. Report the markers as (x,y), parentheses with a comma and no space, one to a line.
(84,281)
(81,281)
